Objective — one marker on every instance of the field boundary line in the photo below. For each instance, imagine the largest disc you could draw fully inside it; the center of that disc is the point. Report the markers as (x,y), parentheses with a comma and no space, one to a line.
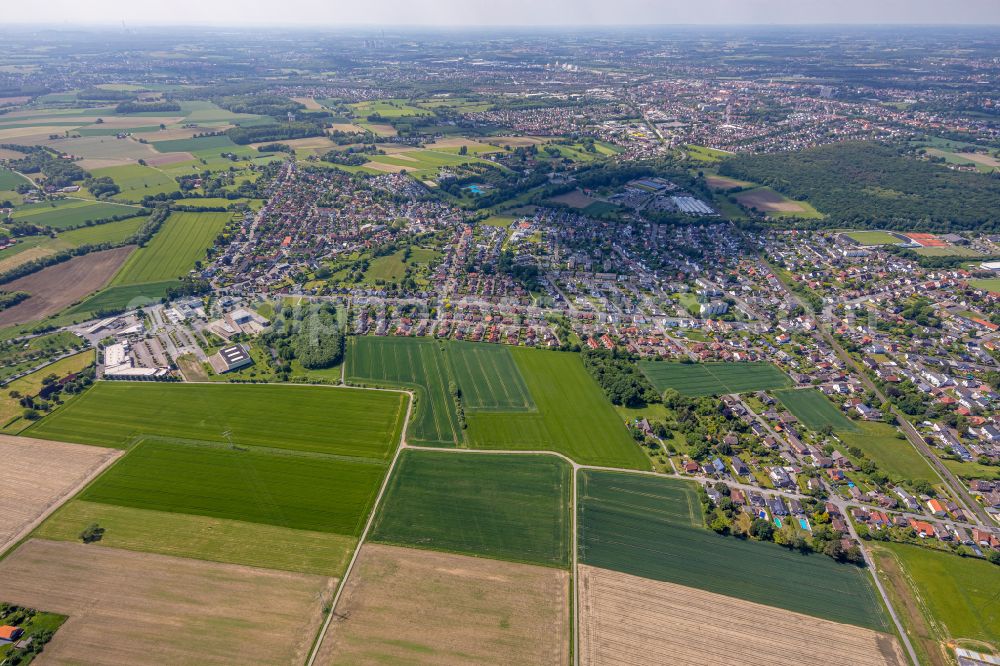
(324,630)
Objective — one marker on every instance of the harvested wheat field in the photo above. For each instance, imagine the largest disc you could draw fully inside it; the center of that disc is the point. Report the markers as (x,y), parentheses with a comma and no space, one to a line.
(104,162)
(138,608)
(55,287)
(402,605)
(625,619)
(38,476)
(310,103)
(769,201)
(388,168)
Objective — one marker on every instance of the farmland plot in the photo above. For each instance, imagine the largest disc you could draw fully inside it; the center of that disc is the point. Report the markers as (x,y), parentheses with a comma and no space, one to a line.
(55,287)
(651,527)
(293,490)
(505,506)
(814,410)
(419,607)
(701,379)
(182,240)
(39,475)
(131,608)
(203,537)
(573,417)
(489,378)
(347,422)
(624,619)
(420,364)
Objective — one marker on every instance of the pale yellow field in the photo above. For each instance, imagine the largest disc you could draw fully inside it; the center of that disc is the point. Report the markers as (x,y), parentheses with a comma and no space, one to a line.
(388,168)
(137,608)
(309,103)
(517,141)
(408,606)
(458,142)
(38,476)
(42,131)
(630,620)
(102,162)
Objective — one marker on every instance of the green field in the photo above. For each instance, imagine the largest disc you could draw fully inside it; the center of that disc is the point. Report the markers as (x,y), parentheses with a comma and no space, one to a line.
(220,143)
(814,410)
(510,507)
(10,180)
(987,285)
(203,537)
(109,232)
(956,596)
(893,455)
(426,162)
(652,527)
(874,238)
(701,379)
(128,296)
(346,422)
(182,240)
(69,213)
(137,181)
(291,489)
(389,108)
(420,364)
(573,417)
(489,378)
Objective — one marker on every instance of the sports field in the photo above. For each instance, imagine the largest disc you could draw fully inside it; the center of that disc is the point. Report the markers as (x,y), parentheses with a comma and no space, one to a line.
(420,364)
(651,527)
(701,379)
(182,240)
(942,597)
(488,377)
(573,417)
(510,507)
(339,421)
(202,537)
(874,238)
(814,410)
(295,490)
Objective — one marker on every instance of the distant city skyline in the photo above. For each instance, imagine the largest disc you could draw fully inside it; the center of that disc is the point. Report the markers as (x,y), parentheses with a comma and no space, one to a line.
(319,13)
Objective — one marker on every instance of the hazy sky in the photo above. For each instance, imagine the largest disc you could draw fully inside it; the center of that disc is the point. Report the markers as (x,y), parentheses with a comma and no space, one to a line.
(498,12)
